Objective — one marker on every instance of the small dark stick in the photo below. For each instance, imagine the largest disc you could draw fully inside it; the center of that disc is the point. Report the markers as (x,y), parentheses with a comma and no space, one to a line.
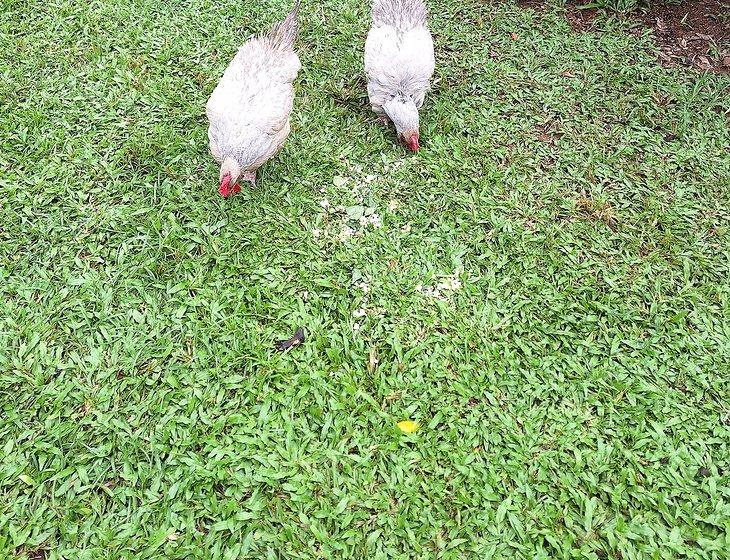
(296,340)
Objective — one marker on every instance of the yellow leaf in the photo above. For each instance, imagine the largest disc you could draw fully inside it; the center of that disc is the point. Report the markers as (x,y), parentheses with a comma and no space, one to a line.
(407,426)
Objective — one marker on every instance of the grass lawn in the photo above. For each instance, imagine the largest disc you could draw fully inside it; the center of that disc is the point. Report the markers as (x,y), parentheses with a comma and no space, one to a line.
(544,288)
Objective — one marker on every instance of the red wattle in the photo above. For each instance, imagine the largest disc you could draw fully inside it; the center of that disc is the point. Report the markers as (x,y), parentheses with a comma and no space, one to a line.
(225,188)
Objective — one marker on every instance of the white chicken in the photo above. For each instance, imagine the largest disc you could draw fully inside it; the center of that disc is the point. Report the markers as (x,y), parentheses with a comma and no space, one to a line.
(250,107)
(399,63)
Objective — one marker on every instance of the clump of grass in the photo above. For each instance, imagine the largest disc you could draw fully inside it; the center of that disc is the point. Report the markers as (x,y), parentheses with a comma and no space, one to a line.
(596,210)
(623,6)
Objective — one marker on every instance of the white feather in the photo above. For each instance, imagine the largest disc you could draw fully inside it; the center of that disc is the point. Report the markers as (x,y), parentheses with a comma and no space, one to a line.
(250,107)
(399,56)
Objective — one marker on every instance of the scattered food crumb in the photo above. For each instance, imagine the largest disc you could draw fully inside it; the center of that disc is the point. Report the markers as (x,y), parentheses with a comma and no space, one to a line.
(345,233)
(450,283)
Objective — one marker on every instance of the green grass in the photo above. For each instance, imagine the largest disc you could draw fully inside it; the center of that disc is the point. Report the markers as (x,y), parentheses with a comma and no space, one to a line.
(570,379)
(624,6)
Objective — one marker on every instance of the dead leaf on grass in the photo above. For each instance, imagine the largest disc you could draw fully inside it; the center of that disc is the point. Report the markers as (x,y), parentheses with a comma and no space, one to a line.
(372,361)
(296,340)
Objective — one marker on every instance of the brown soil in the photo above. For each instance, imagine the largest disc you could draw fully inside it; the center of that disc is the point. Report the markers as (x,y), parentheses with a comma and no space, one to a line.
(693,33)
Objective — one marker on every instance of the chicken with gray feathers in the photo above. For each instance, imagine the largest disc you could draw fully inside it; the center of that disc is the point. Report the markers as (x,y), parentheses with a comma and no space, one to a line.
(249,109)
(399,63)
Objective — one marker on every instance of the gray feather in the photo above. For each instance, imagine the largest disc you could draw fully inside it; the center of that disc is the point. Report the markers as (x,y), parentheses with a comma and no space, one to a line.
(284,33)
(401,14)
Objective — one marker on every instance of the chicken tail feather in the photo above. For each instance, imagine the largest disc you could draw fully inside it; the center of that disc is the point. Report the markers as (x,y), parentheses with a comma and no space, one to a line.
(404,14)
(284,33)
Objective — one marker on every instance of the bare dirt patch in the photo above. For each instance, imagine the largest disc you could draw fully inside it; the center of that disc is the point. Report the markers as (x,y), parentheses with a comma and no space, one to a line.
(693,33)
(581,19)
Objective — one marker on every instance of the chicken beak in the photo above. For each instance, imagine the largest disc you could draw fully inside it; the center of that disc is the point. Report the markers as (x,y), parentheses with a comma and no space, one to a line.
(411,141)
